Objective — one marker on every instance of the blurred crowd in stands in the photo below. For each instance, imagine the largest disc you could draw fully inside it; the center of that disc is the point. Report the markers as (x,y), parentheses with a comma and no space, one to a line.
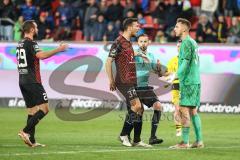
(213,21)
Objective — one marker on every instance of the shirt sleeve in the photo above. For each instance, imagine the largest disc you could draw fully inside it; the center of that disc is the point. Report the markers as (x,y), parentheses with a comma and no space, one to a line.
(182,69)
(36,47)
(115,49)
(187,50)
(186,58)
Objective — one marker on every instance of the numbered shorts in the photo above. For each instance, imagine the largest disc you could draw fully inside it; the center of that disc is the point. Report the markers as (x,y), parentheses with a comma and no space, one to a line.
(190,95)
(128,92)
(147,96)
(33,94)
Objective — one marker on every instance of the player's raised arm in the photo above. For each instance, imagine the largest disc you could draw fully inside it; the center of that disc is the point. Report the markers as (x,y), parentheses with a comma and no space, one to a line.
(46,54)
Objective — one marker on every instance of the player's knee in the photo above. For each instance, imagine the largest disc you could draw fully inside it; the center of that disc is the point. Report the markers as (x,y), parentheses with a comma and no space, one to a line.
(46,111)
(185,116)
(176,108)
(177,119)
(44,108)
(176,114)
(157,106)
(186,123)
(136,105)
(32,111)
(193,112)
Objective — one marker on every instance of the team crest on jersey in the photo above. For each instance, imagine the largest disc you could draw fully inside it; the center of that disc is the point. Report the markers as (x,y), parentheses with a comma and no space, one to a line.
(36,47)
(113,52)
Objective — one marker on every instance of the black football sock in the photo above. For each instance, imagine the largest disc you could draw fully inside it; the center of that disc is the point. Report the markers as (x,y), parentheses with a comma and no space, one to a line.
(137,124)
(32,131)
(33,121)
(130,130)
(127,126)
(155,121)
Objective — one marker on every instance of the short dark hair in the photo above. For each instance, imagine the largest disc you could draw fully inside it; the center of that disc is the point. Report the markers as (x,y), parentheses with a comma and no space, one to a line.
(27,26)
(185,22)
(128,22)
(142,35)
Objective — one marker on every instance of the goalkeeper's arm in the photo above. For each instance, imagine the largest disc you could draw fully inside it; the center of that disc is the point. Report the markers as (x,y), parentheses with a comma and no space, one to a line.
(182,68)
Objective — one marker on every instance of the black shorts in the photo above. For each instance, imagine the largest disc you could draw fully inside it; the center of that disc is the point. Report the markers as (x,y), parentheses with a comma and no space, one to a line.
(33,94)
(147,96)
(175,86)
(129,92)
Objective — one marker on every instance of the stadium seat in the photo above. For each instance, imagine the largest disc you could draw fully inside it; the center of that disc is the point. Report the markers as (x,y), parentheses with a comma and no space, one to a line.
(193,34)
(109,2)
(149,19)
(152,5)
(77,35)
(149,22)
(123,3)
(139,2)
(194,22)
(229,21)
(55,4)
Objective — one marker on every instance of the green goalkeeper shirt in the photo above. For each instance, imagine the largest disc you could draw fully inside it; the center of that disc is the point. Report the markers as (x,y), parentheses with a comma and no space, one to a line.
(188,71)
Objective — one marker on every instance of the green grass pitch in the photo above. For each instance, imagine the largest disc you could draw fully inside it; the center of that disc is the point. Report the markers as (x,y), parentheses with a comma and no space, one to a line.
(97,139)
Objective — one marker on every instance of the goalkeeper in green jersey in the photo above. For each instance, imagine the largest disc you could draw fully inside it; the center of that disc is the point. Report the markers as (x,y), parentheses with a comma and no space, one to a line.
(190,85)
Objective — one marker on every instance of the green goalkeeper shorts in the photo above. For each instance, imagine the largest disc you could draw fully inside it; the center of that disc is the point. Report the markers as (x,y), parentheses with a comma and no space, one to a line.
(190,95)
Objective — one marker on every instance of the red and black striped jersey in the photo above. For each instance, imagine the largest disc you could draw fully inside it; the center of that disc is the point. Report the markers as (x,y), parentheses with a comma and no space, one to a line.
(28,63)
(123,54)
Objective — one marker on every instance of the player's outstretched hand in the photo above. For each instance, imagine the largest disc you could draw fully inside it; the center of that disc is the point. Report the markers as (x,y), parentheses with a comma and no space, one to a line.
(112,86)
(63,46)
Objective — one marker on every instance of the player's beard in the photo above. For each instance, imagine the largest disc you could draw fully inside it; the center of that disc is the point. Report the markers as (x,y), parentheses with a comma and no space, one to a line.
(143,48)
(35,36)
(134,34)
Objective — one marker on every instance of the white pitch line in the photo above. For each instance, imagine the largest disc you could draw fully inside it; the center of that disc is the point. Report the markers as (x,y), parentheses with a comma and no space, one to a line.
(110,150)
(11,145)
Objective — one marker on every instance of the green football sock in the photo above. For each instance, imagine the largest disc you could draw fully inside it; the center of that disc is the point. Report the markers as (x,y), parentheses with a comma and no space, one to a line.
(185,134)
(197,127)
